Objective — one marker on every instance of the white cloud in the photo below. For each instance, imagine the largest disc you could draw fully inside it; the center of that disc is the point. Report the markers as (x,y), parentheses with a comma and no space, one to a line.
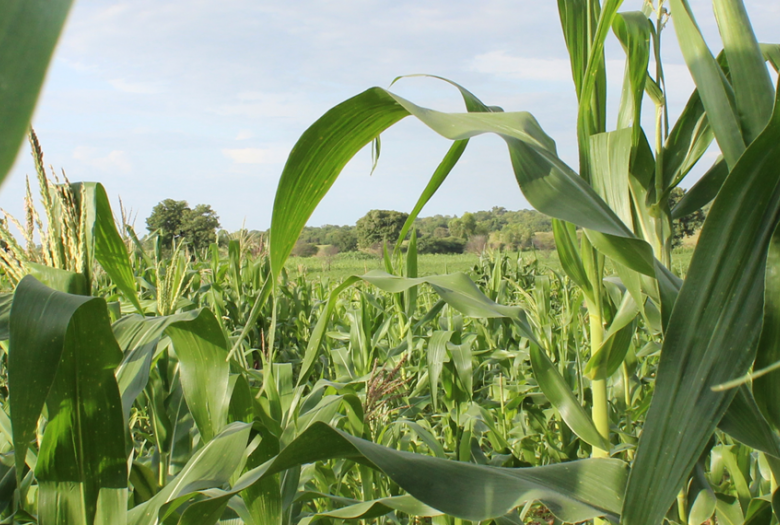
(115,161)
(502,64)
(244,134)
(255,155)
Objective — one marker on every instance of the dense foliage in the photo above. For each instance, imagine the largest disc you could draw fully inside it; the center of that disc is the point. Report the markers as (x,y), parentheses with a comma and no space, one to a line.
(175,221)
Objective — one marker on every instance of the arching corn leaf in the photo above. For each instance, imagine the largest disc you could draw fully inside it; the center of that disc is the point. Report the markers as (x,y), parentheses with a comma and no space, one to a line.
(573,491)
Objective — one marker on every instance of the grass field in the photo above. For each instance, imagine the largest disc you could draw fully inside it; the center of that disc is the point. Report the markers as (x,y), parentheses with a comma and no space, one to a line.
(346,264)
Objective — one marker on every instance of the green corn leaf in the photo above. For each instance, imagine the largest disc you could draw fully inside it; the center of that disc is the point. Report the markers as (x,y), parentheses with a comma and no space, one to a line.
(60,280)
(410,297)
(211,466)
(575,23)
(442,171)
(202,350)
(715,91)
(368,510)
(771,54)
(573,491)
(565,236)
(62,352)
(461,358)
(703,191)
(138,336)
(713,332)
(110,250)
(633,31)
(5,314)
(437,352)
(320,154)
(610,156)
(753,90)
(29,30)
(690,137)
(562,398)
(548,184)
(617,339)
(744,422)
(264,498)
(701,497)
(241,404)
(766,388)
(592,111)
(473,105)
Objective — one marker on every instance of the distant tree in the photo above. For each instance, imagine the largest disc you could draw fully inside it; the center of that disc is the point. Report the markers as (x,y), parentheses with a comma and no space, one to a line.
(379,226)
(199,226)
(166,219)
(455,227)
(175,220)
(327,253)
(345,239)
(304,249)
(469,222)
(441,232)
(517,235)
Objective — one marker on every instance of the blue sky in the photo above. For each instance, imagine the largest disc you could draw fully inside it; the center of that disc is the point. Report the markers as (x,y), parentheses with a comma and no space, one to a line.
(202,100)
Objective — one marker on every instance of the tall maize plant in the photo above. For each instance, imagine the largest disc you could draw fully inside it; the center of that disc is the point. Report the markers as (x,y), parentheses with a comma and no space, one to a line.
(715,325)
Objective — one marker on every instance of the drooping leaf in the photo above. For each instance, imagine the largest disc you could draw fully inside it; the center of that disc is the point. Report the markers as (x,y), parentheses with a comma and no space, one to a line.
(548,184)
(201,348)
(566,243)
(573,491)
(562,398)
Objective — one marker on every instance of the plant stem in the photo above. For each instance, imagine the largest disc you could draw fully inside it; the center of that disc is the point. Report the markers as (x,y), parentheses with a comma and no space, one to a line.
(600,410)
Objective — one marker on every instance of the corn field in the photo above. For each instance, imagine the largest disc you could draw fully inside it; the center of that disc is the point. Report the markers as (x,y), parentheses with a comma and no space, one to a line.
(145,387)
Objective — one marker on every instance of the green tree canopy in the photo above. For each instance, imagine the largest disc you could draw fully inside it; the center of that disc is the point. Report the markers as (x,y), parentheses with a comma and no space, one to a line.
(199,226)
(379,226)
(174,219)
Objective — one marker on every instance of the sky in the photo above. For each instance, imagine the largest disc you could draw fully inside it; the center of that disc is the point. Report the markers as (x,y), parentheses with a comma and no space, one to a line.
(202,100)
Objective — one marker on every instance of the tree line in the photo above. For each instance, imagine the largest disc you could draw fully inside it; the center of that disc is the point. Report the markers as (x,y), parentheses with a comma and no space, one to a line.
(497,228)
